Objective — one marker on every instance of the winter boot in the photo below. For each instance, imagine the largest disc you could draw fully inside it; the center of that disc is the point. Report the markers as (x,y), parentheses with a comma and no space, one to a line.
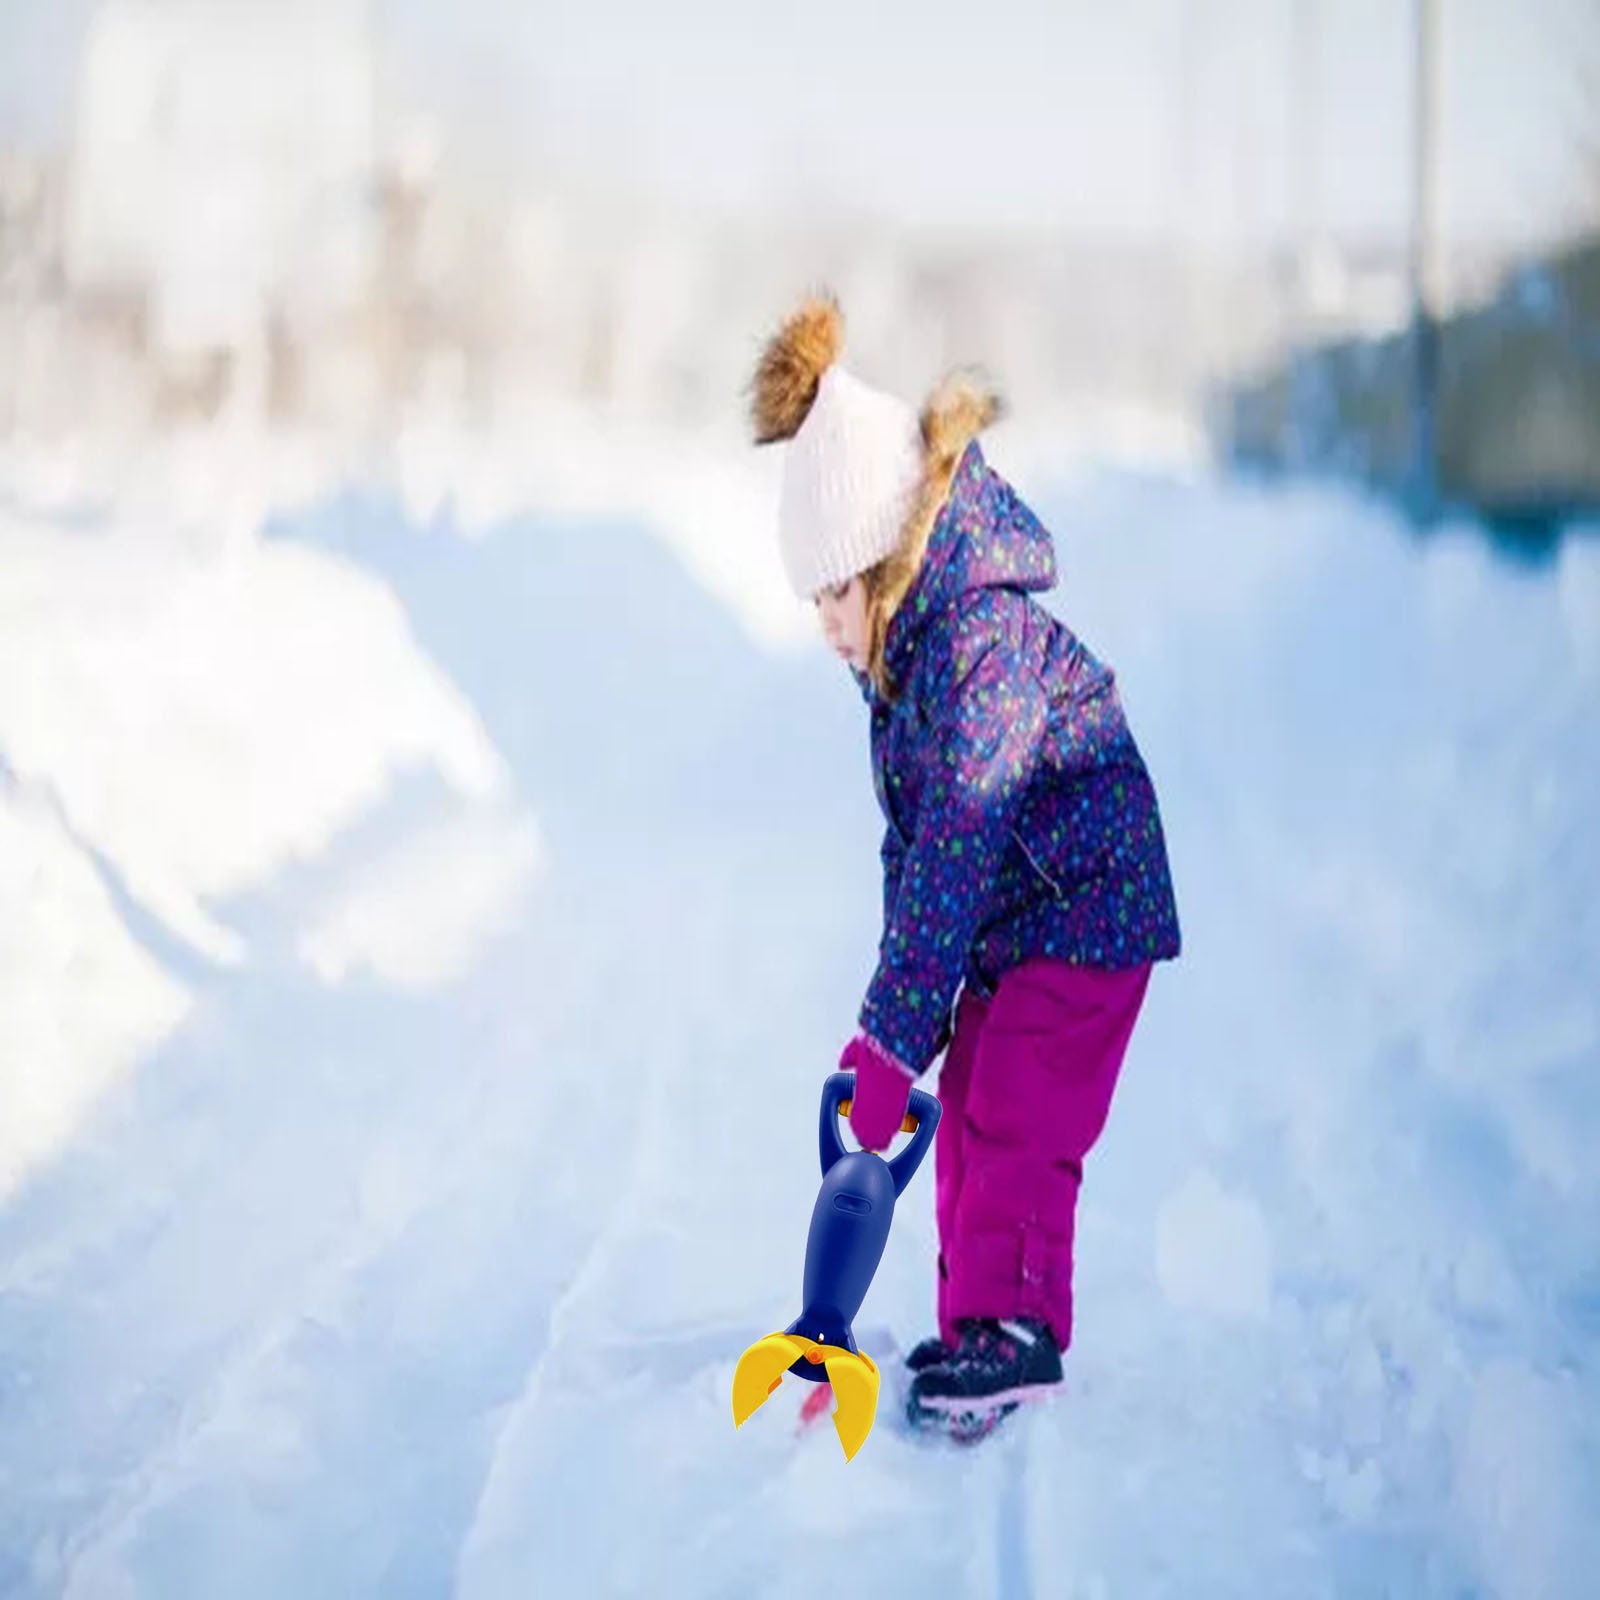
(1000,1364)
(928,1353)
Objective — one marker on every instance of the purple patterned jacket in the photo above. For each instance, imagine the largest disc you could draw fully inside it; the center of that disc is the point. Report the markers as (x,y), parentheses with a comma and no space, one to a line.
(1021,819)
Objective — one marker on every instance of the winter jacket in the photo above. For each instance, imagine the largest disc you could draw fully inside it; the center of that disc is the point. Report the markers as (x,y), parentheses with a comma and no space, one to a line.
(1021,820)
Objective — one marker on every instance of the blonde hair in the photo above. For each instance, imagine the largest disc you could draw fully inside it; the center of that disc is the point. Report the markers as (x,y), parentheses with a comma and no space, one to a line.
(881,608)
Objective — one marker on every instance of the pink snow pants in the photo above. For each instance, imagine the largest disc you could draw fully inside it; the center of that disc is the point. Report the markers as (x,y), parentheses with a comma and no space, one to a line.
(1025,1087)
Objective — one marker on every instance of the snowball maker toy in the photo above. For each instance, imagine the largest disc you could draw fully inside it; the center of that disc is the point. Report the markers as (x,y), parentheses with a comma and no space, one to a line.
(849,1228)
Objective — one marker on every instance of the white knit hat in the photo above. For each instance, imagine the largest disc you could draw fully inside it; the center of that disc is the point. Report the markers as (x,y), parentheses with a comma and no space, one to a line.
(848,478)
(855,457)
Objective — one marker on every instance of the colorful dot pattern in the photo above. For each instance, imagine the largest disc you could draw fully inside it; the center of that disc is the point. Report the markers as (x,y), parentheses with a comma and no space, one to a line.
(1022,821)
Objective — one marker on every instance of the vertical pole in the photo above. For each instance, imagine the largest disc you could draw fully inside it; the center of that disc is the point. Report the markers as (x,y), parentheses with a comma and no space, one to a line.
(1424,325)
(1306,420)
(1301,199)
(1186,172)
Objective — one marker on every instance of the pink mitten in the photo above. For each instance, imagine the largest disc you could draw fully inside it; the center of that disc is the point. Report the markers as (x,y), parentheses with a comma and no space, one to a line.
(883,1090)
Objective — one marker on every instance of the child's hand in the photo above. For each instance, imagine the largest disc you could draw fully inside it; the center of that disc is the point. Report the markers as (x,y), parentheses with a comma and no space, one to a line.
(882,1092)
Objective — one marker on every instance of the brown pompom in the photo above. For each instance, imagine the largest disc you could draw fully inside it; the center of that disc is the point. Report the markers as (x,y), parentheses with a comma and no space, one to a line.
(955,414)
(791,366)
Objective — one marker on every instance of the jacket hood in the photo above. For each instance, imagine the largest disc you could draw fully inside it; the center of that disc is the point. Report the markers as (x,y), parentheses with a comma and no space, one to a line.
(984,537)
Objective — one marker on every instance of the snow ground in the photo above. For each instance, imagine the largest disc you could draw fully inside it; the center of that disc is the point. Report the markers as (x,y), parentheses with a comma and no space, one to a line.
(421,961)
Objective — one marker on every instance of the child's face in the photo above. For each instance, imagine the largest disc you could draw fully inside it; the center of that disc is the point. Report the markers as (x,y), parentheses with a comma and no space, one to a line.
(844,621)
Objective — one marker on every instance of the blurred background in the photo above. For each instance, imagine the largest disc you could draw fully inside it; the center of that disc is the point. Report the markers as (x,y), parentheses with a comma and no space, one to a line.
(438,867)
(1347,236)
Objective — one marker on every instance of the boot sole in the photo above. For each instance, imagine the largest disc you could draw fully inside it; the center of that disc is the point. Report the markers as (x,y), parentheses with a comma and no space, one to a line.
(1024,1394)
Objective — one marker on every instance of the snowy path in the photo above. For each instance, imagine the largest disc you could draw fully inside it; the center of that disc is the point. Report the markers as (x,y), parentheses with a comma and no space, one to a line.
(455,1130)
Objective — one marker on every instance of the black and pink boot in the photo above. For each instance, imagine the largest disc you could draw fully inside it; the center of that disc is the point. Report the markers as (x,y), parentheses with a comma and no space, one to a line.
(928,1353)
(999,1365)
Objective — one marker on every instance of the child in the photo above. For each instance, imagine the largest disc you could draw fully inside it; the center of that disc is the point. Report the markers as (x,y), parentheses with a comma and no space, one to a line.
(1024,863)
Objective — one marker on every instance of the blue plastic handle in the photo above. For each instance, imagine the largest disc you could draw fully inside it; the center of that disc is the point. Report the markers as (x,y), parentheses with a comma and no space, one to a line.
(839,1087)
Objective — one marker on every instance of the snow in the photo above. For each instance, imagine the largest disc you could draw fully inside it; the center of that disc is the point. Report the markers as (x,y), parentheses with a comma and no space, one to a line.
(701,490)
(419,915)
(1212,1253)
(80,1001)
(203,721)
(431,911)
(1519,1484)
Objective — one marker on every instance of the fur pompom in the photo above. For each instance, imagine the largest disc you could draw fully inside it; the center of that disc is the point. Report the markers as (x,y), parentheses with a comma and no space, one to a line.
(954,415)
(792,365)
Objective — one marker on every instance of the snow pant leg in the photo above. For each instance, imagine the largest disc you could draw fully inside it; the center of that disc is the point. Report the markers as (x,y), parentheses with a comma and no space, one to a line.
(948,1153)
(1040,1087)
